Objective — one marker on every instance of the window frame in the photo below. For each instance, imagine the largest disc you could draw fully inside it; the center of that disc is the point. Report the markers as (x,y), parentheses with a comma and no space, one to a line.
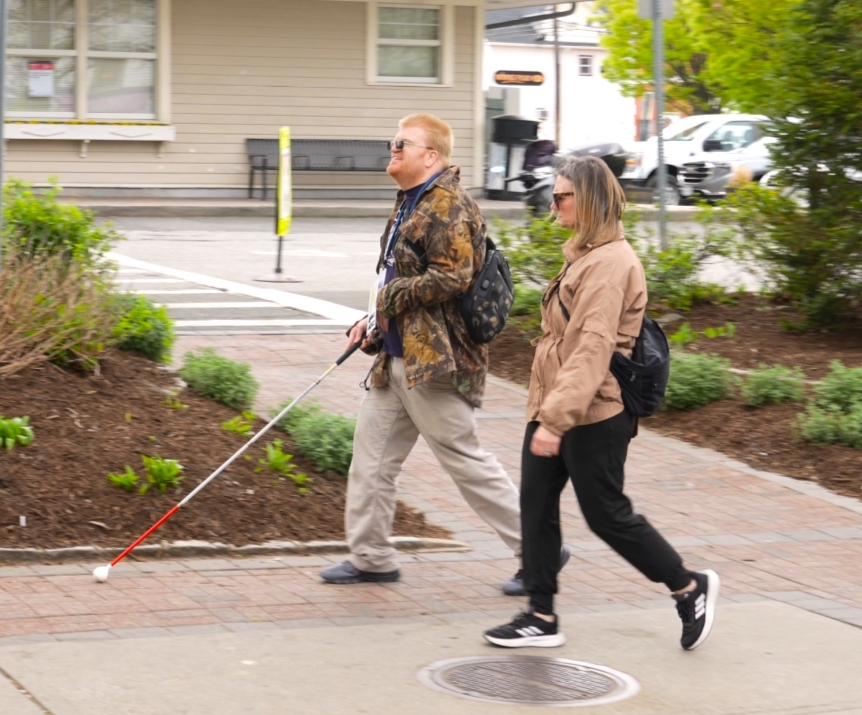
(446,43)
(591,63)
(82,55)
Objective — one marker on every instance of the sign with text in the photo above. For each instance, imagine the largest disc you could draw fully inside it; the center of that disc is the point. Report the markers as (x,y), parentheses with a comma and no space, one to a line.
(284,196)
(517,77)
(40,78)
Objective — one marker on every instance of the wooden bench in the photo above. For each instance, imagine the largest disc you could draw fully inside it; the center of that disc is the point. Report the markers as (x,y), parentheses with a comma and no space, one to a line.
(315,155)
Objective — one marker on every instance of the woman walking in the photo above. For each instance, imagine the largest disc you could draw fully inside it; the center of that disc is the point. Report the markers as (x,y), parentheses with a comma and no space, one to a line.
(577,427)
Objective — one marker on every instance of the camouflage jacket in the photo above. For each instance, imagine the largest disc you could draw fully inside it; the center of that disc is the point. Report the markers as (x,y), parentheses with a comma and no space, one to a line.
(439,252)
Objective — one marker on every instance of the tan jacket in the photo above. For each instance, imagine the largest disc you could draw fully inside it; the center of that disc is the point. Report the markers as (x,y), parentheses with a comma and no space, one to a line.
(604,289)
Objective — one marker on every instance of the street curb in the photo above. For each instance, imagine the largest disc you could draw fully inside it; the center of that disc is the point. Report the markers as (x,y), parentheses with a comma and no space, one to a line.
(197,549)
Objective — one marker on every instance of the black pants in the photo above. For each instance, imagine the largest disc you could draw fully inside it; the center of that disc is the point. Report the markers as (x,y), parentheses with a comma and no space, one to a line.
(594,457)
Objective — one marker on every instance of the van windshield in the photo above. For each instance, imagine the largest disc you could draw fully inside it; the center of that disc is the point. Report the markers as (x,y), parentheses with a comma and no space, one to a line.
(682,135)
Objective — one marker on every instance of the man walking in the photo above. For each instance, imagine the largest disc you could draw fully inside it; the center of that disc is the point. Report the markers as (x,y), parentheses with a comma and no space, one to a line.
(428,375)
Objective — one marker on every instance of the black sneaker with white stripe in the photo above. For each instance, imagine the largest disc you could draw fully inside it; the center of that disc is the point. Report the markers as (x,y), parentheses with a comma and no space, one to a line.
(527,630)
(697,609)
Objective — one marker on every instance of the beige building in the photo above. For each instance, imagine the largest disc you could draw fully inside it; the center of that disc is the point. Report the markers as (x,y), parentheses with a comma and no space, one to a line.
(157,97)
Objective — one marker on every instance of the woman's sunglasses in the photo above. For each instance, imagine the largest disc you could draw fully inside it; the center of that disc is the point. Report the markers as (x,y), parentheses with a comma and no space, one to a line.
(558,198)
(398,145)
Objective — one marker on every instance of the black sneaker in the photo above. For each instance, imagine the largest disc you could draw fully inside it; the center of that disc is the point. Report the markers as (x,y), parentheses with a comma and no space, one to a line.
(697,609)
(515,586)
(527,630)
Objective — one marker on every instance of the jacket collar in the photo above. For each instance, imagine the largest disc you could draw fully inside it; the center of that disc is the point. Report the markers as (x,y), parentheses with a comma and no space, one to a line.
(572,253)
(447,180)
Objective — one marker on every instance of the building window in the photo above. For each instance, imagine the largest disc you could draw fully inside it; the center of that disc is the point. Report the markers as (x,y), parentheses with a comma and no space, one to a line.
(585,65)
(82,59)
(409,44)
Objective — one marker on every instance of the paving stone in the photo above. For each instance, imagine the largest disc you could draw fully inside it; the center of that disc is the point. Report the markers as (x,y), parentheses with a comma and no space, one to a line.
(197,630)
(85,636)
(140,632)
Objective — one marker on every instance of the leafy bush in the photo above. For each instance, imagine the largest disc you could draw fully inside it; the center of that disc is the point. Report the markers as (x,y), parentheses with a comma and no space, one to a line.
(52,311)
(38,225)
(143,327)
(841,388)
(161,473)
(15,431)
(219,378)
(828,425)
(528,301)
(325,438)
(773,386)
(296,415)
(534,251)
(697,380)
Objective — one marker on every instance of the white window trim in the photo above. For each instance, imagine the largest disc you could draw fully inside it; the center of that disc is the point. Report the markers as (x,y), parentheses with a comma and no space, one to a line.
(161,57)
(446,44)
(592,71)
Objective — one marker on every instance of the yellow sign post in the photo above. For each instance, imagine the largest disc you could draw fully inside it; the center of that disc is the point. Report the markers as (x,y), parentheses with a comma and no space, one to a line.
(283,205)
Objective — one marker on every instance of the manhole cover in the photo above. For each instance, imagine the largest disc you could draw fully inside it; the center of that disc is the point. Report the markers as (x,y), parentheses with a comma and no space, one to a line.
(529,680)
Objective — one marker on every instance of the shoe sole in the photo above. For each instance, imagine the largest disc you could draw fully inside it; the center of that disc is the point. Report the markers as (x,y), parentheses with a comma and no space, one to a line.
(532,641)
(381,578)
(565,555)
(713,589)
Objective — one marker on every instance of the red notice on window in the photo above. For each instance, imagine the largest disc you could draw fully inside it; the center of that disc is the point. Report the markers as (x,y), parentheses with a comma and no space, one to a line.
(40,78)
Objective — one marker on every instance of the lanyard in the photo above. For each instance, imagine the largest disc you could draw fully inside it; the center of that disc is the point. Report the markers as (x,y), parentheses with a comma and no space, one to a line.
(393,234)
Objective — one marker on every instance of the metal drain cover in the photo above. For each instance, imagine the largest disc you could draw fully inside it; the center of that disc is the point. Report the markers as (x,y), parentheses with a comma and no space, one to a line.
(529,680)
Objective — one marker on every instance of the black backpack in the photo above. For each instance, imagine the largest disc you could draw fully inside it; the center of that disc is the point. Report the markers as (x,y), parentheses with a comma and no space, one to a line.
(486,304)
(643,378)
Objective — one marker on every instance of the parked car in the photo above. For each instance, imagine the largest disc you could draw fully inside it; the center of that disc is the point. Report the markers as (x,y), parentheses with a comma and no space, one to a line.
(687,138)
(709,174)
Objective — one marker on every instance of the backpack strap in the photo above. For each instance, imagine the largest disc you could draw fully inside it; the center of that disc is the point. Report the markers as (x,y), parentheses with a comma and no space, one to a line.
(565,310)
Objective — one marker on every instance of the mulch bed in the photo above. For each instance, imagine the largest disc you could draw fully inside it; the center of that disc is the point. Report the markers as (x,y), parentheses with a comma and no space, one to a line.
(762,437)
(81,434)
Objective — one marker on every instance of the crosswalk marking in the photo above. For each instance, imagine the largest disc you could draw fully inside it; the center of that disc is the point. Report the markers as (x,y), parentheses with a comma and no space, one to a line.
(189,291)
(217,323)
(245,304)
(124,281)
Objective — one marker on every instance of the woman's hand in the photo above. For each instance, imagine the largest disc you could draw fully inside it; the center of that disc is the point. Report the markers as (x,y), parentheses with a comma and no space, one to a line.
(544,443)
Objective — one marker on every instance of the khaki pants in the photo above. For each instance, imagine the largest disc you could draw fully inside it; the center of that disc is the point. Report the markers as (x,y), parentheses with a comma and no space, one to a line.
(390,421)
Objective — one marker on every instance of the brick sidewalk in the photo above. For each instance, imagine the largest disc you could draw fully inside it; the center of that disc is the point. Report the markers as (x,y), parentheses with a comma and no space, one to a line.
(767,536)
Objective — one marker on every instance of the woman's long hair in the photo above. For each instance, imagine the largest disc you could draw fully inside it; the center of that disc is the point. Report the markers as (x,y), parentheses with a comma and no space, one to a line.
(599,199)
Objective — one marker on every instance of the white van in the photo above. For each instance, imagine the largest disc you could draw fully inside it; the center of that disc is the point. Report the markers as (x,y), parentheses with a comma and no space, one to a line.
(685,139)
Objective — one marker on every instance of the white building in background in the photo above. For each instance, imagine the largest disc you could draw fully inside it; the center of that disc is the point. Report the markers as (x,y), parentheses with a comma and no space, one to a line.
(592,109)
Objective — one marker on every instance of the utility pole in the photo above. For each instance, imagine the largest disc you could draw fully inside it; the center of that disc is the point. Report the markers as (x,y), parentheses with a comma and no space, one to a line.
(4,18)
(658,75)
(557,92)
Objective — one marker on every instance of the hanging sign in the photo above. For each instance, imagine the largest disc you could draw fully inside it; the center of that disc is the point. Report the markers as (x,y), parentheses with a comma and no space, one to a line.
(40,78)
(523,79)
(284,196)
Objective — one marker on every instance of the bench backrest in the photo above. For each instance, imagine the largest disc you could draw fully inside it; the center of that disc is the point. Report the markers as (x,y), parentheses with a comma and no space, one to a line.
(325,154)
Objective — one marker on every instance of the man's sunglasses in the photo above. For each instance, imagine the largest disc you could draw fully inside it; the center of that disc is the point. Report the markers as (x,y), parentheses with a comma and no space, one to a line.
(558,198)
(398,145)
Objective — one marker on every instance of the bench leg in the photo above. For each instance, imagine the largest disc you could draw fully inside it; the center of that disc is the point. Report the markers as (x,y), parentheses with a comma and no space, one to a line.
(265,167)
(251,182)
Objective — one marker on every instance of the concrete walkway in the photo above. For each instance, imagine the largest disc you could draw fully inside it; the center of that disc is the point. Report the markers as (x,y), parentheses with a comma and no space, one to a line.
(265,636)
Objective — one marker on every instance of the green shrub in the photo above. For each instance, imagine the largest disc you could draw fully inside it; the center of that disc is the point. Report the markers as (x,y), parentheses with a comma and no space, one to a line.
(219,378)
(773,386)
(298,413)
(534,251)
(39,225)
(828,425)
(528,301)
(143,327)
(697,380)
(161,473)
(15,431)
(323,437)
(841,388)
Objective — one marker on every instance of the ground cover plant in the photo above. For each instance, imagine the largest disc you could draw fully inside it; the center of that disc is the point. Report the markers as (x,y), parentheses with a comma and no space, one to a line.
(241,424)
(143,327)
(15,431)
(219,378)
(773,386)
(697,380)
(276,460)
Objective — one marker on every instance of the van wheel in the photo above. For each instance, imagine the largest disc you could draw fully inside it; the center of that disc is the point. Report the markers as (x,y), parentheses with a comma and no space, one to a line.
(673,197)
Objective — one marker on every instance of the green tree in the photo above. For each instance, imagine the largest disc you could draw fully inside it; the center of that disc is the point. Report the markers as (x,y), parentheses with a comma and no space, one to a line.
(718,53)
(809,237)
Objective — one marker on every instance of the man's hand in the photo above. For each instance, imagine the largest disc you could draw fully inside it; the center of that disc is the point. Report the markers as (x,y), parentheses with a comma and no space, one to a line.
(544,443)
(357,332)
